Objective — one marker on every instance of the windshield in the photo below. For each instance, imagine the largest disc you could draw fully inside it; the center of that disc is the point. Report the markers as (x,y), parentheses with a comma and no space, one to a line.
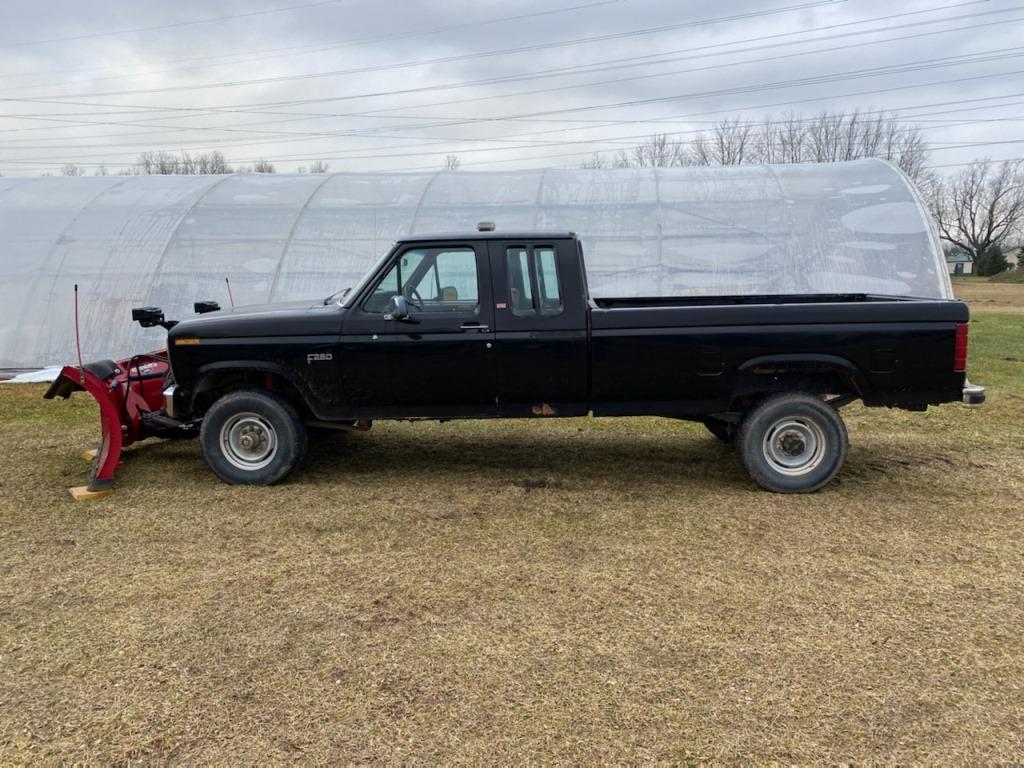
(349,294)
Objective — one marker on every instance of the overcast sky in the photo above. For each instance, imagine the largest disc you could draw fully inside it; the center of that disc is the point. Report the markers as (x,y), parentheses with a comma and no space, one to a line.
(389,85)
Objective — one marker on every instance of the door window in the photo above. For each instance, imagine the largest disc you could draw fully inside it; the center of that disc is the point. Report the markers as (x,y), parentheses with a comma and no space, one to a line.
(533,281)
(434,281)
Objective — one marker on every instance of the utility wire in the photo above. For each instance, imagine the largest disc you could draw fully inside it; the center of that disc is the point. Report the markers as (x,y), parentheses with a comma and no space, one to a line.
(266,54)
(550,72)
(597,140)
(630,137)
(172,25)
(592,67)
(503,52)
(317,47)
(238,108)
(625,141)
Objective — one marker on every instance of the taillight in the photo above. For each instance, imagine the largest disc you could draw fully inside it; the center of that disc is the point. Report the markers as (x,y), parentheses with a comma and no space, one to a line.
(960,348)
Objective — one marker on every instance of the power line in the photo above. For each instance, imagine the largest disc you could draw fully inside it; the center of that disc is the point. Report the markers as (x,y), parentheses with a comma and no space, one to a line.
(575,69)
(172,25)
(944,123)
(548,72)
(972,162)
(503,52)
(51,163)
(582,68)
(914,66)
(632,137)
(980,58)
(316,47)
(590,153)
(871,72)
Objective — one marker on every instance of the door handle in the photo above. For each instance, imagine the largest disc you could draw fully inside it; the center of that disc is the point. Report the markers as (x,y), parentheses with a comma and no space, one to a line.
(474,327)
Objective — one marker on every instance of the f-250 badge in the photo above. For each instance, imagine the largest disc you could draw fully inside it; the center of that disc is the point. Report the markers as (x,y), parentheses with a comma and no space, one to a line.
(316,357)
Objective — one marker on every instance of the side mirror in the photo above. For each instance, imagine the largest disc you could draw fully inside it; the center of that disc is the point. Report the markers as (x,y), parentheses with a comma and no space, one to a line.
(398,309)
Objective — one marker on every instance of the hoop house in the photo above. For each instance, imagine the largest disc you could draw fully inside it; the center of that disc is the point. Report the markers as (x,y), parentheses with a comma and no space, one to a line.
(857,227)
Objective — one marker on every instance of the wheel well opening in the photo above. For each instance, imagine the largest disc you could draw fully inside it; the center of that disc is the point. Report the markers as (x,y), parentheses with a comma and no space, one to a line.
(829,382)
(215,385)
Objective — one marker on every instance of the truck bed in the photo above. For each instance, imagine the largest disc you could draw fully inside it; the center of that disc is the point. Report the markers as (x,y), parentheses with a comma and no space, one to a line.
(610,313)
(691,355)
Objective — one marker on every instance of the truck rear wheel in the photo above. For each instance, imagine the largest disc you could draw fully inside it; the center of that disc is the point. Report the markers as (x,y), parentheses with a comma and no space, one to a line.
(252,438)
(792,443)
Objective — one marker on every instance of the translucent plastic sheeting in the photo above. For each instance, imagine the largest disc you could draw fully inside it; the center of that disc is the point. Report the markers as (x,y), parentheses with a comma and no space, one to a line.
(857,227)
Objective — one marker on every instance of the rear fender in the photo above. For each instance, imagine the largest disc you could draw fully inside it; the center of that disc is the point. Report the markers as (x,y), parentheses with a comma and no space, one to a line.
(772,373)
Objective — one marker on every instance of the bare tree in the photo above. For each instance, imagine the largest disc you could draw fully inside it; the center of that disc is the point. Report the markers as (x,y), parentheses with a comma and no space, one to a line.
(101,170)
(260,166)
(731,142)
(782,140)
(825,138)
(317,166)
(622,159)
(452,163)
(185,164)
(836,136)
(211,164)
(659,152)
(980,206)
(595,162)
(70,169)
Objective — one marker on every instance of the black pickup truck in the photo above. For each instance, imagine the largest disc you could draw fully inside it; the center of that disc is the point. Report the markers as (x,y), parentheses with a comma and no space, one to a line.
(501,325)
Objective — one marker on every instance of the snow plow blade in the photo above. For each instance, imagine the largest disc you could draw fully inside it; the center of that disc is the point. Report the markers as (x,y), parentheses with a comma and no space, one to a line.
(128,392)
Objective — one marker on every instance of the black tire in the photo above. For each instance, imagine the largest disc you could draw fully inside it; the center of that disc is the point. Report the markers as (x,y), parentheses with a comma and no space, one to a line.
(252,437)
(792,443)
(723,430)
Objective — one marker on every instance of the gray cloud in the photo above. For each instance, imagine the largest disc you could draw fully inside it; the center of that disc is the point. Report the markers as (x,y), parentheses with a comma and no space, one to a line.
(167,70)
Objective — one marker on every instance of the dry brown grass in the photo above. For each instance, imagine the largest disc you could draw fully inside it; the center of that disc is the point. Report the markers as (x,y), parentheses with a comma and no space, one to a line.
(985,296)
(557,591)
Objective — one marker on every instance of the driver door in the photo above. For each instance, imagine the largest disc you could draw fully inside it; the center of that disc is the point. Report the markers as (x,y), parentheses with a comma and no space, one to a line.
(439,361)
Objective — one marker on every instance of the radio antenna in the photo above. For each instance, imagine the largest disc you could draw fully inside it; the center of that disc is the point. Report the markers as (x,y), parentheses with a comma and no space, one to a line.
(230,297)
(78,341)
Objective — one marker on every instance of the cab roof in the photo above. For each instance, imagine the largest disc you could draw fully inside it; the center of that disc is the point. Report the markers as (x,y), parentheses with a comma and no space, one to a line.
(499,235)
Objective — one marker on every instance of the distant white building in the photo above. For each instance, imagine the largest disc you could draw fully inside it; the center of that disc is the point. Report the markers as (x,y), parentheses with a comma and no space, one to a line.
(1015,255)
(960,263)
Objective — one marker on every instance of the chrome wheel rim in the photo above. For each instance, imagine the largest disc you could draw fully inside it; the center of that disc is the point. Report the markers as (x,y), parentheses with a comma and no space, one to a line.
(248,441)
(794,446)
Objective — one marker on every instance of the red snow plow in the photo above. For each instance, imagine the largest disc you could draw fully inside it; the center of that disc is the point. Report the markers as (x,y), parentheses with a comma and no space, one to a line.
(130,394)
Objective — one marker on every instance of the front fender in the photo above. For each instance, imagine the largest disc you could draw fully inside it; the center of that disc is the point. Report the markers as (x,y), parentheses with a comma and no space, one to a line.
(207,375)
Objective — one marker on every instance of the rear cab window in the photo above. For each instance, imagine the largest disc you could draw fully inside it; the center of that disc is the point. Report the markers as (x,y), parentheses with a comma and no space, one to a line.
(533,281)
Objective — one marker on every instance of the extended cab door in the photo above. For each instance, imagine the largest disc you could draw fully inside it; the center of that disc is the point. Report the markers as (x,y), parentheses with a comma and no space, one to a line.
(541,322)
(439,363)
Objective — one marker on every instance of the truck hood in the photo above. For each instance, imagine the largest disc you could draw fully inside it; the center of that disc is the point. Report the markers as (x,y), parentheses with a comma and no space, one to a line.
(262,309)
(291,318)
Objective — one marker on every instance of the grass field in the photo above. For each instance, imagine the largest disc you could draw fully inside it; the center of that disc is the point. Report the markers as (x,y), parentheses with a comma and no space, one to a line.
(558,591)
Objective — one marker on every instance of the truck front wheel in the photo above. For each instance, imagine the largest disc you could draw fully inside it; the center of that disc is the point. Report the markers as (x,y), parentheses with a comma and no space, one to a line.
(792,443)
(252,437)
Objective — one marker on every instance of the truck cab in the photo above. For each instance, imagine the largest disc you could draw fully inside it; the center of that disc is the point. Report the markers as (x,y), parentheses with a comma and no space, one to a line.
(468,326)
